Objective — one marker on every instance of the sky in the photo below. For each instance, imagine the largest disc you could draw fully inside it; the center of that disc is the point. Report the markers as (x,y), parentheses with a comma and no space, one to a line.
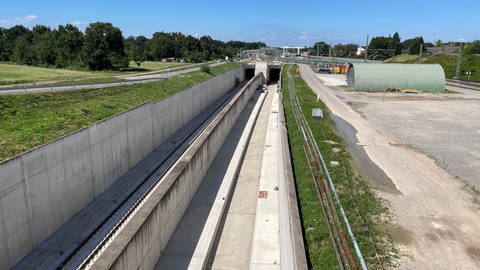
(277,23)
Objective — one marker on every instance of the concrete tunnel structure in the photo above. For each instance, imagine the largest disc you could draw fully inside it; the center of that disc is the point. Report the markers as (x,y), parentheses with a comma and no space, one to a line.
(271,71)
(60,182)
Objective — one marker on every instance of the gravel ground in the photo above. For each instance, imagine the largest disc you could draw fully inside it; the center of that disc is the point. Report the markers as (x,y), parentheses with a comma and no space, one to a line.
(446,127)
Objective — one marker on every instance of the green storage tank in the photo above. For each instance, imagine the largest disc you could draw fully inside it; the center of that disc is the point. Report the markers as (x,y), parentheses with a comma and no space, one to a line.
(380,77)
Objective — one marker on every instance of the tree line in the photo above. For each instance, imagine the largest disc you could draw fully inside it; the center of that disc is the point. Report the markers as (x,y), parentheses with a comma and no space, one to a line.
(102,46)
(383,47)
(380,47)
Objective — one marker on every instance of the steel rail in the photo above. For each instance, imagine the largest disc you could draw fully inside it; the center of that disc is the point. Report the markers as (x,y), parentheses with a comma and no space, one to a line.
(308,135)
(321,189)
(337,199)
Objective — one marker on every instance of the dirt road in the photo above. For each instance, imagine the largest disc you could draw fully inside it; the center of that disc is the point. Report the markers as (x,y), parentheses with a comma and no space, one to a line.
(439,225)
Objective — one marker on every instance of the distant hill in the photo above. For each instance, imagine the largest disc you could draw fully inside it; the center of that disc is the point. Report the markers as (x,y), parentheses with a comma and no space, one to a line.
(448,62)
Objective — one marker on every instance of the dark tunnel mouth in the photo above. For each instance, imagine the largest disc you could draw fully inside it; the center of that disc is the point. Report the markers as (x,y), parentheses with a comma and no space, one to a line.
(273,75)
(249,73)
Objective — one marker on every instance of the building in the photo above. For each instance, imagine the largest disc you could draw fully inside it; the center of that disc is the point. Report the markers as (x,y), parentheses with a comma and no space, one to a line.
(444,49)
(381,77)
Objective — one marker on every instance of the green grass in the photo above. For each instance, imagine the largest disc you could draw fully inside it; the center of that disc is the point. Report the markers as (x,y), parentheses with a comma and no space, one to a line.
(351,186)
(11,74)
(29,120)
(448,62)
(17,74)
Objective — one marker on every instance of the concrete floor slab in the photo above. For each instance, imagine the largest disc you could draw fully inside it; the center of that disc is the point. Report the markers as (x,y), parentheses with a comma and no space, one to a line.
(266,238)
(233,245)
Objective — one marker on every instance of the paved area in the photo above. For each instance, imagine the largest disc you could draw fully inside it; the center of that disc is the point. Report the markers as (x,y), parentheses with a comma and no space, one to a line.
(445,127)
(233,246)
(437,219)
(332,79)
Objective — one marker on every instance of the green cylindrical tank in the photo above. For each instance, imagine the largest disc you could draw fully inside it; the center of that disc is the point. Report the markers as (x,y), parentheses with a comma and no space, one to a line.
(380,77)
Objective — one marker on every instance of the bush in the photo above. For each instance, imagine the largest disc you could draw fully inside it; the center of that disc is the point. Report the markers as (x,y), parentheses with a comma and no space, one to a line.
(205,68)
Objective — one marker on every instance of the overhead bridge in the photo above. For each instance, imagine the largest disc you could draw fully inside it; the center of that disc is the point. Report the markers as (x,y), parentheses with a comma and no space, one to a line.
(117,194)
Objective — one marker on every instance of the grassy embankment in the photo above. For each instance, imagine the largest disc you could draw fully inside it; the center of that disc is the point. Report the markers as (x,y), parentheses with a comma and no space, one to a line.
(358,200)
(448,62)
(11,74)
(29,120)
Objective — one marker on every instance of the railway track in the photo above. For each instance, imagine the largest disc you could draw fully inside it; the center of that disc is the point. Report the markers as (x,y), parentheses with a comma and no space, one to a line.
(91,243)
(326,191)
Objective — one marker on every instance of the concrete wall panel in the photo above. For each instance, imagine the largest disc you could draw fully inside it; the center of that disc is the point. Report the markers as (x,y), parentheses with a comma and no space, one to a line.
(43,188)
(11,174)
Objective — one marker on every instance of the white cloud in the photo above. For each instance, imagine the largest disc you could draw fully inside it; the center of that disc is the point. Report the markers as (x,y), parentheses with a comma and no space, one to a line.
(18,20)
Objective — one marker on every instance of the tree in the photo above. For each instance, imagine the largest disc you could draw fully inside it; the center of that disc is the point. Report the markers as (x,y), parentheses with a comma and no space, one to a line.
(438,43)
(397,44)
(162,46)
(347,50)
(8,41)
(68,46)
(381,47)
(43,45)
(2,30)
(413,45)
(473,48)
(103,47)
(22,53)
(207,45)
(135,48)
(323,48)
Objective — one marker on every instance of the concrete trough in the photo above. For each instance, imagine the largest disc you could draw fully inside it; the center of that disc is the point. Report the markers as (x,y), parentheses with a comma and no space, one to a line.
(42,189)
(139,244)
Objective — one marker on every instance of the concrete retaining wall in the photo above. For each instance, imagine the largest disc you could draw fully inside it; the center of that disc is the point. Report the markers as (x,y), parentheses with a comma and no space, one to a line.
(42,189)
(140,243)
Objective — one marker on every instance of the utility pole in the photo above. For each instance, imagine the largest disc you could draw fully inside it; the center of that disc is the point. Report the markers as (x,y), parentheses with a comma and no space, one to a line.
(330,56)
(459,62)
(366,50)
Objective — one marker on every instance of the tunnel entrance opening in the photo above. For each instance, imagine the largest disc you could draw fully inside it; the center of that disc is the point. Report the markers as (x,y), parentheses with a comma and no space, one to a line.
(273,76)
(249,73)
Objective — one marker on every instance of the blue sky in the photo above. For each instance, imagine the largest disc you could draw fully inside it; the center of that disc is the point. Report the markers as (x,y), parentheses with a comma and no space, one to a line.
(276,23)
